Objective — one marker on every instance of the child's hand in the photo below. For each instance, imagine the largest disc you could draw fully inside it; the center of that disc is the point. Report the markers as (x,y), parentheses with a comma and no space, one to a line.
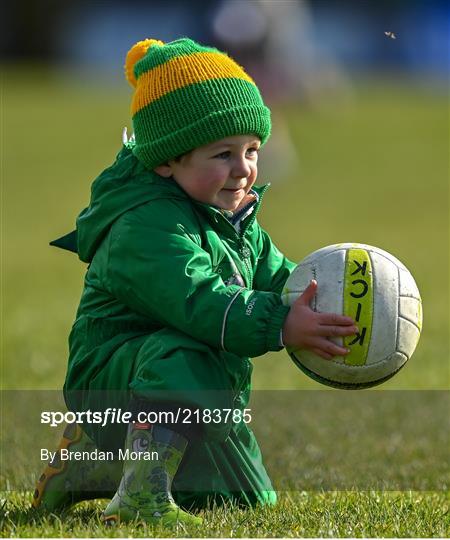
(306,329)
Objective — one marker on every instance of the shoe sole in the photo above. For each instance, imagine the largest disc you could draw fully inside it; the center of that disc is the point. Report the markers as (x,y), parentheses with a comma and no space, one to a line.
(111,520)
(72,434)
(115,519)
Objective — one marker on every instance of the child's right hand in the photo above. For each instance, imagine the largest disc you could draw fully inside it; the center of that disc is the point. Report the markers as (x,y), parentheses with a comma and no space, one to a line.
(307,329)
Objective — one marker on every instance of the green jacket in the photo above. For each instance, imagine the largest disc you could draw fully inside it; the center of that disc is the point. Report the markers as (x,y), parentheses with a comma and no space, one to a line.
(175,299)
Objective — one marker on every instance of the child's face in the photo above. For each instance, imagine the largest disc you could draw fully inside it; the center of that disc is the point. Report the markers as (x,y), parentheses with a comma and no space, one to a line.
(220,173)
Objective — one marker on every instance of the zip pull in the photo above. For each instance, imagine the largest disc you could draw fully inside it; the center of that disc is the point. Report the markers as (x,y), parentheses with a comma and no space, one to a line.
(245,252)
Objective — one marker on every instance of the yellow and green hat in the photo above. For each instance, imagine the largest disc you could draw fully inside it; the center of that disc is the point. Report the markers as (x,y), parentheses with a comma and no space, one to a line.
(187,95)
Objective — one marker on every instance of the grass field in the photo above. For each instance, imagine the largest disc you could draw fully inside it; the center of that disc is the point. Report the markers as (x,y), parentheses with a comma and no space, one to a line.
(371,169)
(299,514)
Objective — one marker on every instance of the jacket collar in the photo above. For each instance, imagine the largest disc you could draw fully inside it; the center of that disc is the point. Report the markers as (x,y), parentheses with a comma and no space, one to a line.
(225,222)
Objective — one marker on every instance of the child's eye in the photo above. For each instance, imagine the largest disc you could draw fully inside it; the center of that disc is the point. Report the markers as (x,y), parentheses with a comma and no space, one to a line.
(250,152)
(253,151)
(223,155)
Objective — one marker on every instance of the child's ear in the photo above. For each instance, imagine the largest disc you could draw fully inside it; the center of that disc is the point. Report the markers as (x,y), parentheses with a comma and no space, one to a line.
(164,170)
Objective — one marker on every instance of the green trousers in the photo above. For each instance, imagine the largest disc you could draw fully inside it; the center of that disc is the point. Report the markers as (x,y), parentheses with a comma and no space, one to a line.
(224,462)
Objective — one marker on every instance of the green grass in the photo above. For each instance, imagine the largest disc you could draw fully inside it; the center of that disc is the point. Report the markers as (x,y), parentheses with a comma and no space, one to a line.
(301,514)
(373,169)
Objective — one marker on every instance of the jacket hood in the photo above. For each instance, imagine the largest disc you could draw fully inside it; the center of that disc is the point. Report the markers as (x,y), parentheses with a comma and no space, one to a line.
(122,186)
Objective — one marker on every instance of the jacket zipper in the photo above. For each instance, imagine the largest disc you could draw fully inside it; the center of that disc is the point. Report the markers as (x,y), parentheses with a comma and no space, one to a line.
(245,257)
(243,249)
(244,252)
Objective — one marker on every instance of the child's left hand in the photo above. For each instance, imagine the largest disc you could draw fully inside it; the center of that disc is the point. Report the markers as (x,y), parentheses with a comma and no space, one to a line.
(304,328)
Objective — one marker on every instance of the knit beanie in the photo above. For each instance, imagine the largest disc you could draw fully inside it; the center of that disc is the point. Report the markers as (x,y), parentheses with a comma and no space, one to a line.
(187,95)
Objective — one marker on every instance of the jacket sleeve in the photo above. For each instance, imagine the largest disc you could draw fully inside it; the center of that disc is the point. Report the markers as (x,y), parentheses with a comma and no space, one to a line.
(273,267)
(159,269)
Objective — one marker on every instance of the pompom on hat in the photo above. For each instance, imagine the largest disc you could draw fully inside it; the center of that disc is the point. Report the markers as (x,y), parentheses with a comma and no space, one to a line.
(186,96)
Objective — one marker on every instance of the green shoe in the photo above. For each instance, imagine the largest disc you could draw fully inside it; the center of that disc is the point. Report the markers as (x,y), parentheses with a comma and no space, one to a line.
(152,456)
(64,483)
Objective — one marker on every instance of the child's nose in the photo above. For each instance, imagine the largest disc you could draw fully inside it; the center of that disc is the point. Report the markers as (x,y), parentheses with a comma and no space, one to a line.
(241,168)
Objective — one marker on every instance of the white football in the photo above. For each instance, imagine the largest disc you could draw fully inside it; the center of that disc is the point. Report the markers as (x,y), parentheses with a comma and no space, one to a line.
(379,293)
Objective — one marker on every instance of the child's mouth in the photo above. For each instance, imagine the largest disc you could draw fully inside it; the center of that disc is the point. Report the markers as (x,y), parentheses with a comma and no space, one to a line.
(233,190)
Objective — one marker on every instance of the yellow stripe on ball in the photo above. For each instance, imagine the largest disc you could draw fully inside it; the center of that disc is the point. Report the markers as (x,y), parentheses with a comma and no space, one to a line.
(358,303)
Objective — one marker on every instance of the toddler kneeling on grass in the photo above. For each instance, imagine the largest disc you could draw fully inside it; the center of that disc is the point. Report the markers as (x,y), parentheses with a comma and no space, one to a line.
(183,286)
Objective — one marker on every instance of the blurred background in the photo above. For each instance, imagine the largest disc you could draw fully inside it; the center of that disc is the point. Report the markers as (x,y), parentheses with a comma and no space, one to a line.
(359,152)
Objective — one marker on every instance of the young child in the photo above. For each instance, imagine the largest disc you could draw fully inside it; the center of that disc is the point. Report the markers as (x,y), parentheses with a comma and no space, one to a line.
(183,286)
